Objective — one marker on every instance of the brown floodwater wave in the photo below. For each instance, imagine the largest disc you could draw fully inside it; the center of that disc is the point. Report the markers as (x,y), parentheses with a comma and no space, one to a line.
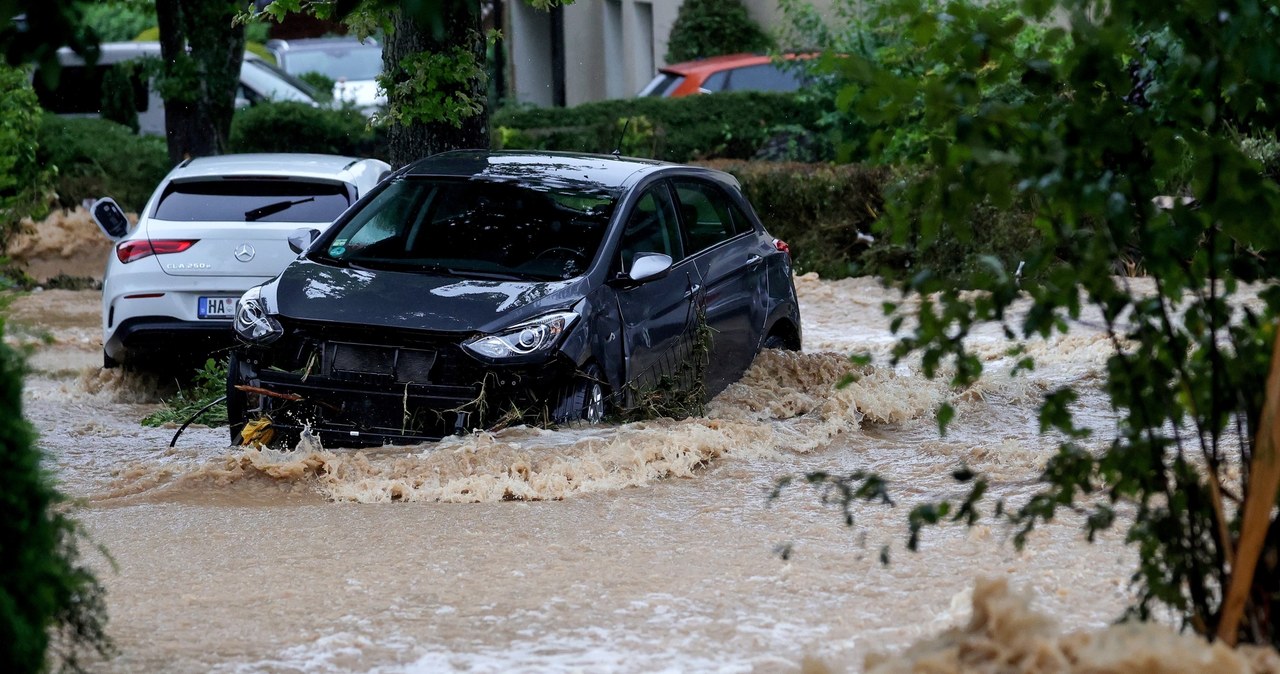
(788,403)
(1005,634)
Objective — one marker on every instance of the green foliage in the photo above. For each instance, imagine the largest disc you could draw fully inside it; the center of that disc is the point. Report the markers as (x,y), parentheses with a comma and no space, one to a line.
(321,84)
(436,87)
(712,27)
(818,209)
(119,21)
(24,180)
(957,250)
(1082,127)
(208,385)
(727,125)
(857,39)
(96,158)
(118,103)
(45,588)
(298,127)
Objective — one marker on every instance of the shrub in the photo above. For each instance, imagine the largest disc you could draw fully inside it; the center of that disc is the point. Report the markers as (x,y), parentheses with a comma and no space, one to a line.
(727,125)
(298,127)
(207,386)
(96,158)
(44,585)
(118,101)
(118,21)
(23,179)
(712,27)
(956,251)
(321,85)
(818,209)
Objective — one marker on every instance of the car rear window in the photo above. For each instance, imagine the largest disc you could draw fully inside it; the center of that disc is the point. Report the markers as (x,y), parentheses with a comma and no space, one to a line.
(662,85)
(252,200)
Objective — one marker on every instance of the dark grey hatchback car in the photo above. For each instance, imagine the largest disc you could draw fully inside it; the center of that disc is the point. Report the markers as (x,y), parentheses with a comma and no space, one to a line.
(474,288)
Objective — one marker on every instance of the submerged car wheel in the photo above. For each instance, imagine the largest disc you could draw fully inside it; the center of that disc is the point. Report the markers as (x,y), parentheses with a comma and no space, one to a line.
(586,400)
(775,342)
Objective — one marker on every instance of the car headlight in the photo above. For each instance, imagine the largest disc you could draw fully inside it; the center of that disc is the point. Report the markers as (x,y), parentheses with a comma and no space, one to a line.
(540,334)
(253,324)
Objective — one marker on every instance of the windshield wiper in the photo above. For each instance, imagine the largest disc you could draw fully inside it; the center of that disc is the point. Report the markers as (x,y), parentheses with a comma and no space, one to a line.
(497,275)
(273,208)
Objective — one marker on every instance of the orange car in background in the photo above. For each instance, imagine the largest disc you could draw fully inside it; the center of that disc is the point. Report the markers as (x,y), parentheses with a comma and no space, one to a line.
(731,72)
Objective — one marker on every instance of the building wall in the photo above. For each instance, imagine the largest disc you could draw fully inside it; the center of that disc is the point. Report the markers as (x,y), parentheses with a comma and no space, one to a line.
(612,47)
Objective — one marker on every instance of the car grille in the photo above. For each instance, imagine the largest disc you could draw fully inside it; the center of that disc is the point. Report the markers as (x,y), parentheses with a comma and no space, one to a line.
(397,356)
(365,361)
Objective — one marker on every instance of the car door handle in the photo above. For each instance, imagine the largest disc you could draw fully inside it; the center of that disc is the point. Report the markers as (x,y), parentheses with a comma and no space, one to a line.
(753,260)
(692,291)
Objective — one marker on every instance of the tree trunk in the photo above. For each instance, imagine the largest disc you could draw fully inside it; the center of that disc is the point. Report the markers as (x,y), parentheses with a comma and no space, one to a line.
(202,53)
(458,25)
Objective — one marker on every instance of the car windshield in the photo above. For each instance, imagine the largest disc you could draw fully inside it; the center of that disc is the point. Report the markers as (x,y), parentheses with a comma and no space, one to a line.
(480,228)
(349,62)
(252,200)
(271,83)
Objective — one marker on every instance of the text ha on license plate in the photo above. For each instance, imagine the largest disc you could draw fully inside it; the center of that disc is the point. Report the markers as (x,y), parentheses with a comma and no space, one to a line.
(216,307)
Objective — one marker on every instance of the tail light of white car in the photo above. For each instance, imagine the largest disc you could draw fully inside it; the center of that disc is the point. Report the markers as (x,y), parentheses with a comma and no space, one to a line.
(136,249)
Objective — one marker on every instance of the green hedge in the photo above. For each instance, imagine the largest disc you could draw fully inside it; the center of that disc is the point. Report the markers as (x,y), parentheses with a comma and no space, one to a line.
(818,209)
(45,587)
(24,178)
(298,127)
(725,125)
(97,158)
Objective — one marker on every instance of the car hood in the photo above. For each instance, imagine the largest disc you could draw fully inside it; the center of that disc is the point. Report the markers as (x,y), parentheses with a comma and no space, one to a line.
(387,299)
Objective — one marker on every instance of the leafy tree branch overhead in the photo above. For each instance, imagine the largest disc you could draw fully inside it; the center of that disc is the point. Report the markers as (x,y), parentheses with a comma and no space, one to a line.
(1091,116)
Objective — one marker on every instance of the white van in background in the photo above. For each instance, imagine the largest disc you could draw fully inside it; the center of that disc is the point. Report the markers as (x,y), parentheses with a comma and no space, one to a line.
(78,92)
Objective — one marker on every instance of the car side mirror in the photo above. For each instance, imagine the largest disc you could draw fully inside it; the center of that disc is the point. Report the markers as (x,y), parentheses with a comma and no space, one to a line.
(301,239)
(110,218)
(649,266)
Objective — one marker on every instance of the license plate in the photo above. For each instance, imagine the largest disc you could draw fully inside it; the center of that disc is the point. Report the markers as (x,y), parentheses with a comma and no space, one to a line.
(216,307)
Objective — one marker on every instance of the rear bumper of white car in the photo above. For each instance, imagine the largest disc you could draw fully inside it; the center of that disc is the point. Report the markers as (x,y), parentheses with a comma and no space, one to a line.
(138,340)
(150,316)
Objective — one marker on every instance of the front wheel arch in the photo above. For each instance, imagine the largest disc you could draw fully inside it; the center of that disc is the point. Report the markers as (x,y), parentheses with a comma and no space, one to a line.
(783,335)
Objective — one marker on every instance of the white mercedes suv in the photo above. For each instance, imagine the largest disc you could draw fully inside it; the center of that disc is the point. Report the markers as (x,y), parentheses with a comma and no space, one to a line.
(213,228)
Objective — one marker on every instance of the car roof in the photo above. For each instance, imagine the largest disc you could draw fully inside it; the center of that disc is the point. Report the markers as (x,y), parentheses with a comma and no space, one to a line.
(321,166)
(110,53)
(713,64)
(321,43)
(567,169)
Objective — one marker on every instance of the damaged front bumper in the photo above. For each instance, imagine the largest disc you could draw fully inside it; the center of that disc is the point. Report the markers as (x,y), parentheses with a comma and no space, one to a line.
(361,394)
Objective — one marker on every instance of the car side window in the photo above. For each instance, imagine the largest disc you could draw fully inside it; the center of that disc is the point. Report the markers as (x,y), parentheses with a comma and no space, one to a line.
(763,77)
(652,227)
(706,213)
(716,81)
(741,223)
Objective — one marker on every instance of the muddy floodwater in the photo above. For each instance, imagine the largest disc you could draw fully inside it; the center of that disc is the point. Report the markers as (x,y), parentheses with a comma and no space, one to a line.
(646,547)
